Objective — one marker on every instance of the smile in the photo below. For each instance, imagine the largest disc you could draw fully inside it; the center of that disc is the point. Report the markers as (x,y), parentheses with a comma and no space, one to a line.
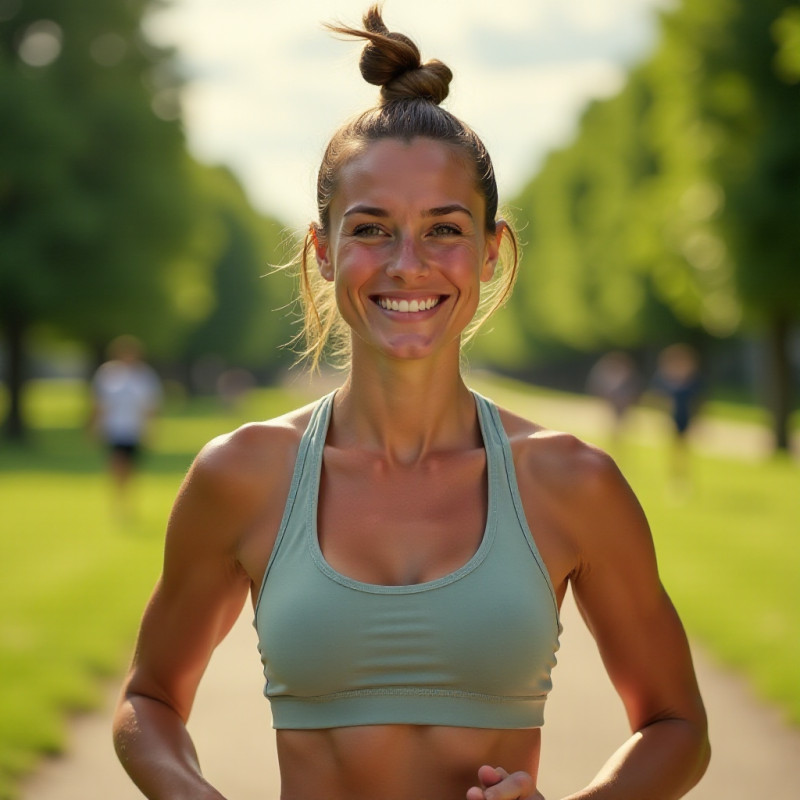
(408,306)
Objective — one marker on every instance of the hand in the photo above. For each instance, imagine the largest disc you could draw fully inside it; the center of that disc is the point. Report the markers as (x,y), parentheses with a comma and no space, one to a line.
(497,784)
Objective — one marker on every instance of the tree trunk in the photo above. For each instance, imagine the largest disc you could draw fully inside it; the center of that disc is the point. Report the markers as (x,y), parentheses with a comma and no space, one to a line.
(780,372)
(14,428)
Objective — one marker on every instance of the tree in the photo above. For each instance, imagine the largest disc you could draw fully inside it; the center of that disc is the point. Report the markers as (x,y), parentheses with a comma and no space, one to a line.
(736,164)
(250,316)
(95,203)
(676,208)
(587,280)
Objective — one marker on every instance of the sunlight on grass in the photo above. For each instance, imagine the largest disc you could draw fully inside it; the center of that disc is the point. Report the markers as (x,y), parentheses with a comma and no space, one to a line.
(75,580)
(726,542)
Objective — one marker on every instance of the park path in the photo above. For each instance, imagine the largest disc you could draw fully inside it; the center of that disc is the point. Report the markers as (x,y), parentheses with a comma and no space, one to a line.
(755,754)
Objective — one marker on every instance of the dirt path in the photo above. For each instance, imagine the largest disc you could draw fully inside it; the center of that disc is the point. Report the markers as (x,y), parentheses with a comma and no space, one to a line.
(755,754)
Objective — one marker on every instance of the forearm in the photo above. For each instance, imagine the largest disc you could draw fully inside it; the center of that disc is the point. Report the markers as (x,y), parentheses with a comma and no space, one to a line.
(155,749)
(663,761)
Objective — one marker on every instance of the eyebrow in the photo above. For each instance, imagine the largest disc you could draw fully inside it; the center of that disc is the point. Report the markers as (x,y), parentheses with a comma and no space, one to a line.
(439,211)
(372,211)
(443,211)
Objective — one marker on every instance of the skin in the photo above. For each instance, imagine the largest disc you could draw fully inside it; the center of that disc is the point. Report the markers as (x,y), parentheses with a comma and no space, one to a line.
(407,223)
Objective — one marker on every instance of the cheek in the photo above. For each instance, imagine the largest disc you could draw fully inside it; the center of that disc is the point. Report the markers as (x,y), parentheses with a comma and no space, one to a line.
(352,273)
(462,266)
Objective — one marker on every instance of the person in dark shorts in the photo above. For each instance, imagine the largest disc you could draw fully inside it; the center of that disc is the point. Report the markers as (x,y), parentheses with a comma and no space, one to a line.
(126,395)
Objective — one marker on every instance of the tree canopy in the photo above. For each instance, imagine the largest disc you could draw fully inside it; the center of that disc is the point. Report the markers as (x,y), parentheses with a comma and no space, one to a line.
(95,201)
(674,211)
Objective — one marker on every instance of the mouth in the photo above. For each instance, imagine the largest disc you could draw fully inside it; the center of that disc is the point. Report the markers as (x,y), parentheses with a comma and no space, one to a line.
(405,306)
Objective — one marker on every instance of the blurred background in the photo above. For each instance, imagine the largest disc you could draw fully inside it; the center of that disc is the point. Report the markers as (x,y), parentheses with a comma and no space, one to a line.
(157,162)
(158,158)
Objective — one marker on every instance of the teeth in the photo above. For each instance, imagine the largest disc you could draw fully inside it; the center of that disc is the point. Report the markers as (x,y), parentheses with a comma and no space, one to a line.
(406,306)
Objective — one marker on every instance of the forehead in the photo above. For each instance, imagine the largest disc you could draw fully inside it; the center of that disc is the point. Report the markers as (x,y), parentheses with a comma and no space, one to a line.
(393,171)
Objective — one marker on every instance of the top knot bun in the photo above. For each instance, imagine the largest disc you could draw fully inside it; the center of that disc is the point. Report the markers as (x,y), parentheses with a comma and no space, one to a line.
(392,61)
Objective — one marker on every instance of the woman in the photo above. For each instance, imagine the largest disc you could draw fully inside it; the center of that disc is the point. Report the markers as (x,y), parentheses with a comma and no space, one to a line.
(406,544)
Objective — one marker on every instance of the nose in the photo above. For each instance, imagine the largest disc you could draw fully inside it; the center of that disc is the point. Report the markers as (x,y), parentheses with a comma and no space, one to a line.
(407,262)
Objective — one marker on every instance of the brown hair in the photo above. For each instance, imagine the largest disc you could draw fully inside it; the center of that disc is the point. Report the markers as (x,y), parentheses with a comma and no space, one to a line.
(409,107)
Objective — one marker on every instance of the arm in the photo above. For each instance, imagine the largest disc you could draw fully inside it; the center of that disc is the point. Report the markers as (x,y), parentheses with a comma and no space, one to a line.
(641,641)
(592,530)
(197,599)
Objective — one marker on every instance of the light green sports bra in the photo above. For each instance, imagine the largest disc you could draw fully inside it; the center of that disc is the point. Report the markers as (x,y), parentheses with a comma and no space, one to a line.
(474,648)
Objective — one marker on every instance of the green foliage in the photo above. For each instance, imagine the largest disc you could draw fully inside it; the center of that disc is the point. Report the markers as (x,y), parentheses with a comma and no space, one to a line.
(250,315)
(107,225)
(587,279)
(94,198)
(673,214)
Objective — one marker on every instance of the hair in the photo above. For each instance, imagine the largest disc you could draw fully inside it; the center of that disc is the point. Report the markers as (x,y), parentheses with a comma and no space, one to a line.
(409,107)
(125,346)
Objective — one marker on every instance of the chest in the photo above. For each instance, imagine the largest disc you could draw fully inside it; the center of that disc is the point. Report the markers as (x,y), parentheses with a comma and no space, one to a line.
(395,525)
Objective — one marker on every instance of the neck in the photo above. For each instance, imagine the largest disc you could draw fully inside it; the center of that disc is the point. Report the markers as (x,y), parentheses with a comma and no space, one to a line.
(405,410)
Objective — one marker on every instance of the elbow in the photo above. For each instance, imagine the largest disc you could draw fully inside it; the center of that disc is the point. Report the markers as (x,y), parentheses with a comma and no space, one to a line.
(699,754)
(704,752)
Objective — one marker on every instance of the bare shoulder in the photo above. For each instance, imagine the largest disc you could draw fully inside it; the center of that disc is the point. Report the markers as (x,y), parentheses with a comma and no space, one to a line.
(252,453)
(592,497)
(235,477)
(564,461)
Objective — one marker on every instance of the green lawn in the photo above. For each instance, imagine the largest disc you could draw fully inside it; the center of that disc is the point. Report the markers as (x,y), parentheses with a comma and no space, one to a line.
(74,582)
(727,544)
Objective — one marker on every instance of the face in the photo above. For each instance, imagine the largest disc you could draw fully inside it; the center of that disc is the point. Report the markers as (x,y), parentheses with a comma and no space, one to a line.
(407,248)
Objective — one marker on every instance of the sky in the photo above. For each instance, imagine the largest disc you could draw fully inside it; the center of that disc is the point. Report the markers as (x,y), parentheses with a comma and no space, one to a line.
(266,85)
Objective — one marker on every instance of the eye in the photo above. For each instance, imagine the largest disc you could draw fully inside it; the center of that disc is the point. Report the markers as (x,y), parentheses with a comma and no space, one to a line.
(368,229)
(445,229)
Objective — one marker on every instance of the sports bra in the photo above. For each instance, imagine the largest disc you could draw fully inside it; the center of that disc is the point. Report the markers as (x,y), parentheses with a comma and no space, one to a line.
(474,648)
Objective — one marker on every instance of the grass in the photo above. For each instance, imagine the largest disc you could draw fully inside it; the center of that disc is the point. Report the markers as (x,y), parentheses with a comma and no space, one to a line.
(74,582)
(727,543)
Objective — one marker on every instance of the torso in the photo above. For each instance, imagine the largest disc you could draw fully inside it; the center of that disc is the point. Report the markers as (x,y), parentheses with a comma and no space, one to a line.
(431,519)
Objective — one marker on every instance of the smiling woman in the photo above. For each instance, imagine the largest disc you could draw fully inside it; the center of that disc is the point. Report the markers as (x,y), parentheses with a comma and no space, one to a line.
(407,544)
(406,231)
(409,110)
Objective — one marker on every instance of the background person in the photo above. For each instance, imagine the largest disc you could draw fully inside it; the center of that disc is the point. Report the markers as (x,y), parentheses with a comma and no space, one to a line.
(679,382)
(406,544)
(126,395)
(615,379)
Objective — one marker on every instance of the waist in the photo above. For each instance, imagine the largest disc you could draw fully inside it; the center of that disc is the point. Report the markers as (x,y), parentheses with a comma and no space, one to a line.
(397,762)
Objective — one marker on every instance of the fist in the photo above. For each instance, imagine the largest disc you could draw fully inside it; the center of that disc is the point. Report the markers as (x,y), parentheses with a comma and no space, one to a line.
(497,784)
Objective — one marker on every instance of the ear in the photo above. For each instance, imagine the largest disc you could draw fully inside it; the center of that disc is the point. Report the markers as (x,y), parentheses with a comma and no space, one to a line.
(493,242)
(321,252)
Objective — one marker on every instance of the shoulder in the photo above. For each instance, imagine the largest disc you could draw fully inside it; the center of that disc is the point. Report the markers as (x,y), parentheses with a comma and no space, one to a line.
(579,481)
(148,373)
(236,476)
(104,372)
(564,461)
(252,454)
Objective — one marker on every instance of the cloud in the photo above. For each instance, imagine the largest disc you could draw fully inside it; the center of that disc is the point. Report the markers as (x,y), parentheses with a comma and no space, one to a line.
(267,84)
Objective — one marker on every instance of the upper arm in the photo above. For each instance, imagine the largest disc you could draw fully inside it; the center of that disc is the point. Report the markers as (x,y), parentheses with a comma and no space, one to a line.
(620,595)
(202,588)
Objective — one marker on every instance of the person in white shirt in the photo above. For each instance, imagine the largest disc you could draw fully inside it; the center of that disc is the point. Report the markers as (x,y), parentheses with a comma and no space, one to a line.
(126,394)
